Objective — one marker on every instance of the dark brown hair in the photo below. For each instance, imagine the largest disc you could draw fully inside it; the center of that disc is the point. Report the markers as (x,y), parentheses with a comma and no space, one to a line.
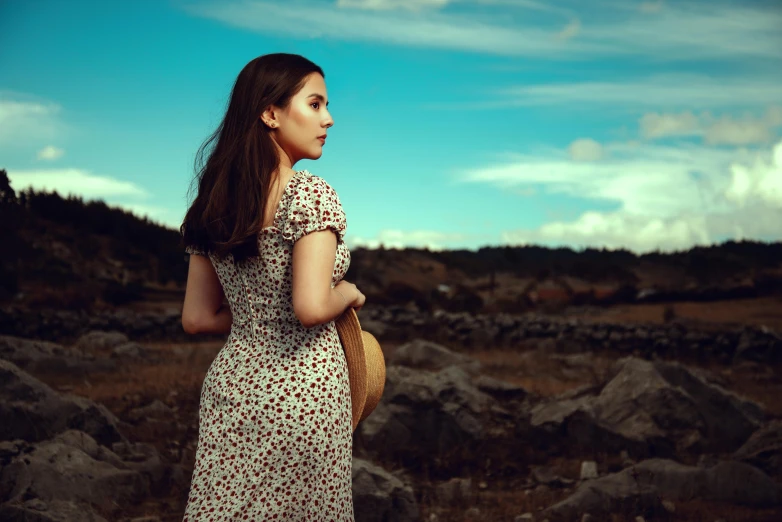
(235,180)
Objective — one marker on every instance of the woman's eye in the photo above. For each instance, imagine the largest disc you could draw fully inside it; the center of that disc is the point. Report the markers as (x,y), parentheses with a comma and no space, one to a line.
(315,103)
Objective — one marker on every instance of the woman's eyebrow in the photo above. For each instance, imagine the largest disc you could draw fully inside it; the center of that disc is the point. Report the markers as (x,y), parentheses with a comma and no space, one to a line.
(319,97)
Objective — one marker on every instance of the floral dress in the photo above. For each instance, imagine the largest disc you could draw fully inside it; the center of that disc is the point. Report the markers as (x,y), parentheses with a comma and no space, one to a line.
(275,437)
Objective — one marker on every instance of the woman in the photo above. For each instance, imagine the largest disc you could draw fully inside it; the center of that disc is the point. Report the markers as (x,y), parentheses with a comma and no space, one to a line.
(275,437)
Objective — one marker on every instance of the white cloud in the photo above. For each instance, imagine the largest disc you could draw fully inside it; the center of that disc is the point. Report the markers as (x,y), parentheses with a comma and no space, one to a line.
(570,30)
(387,5)
(25,120)
(74,181)
(409,239)
(655,125)
(725,130)
(91,187)
(585,149)
(760,181)
(681,33)
(651,7)
(50,152)
(664,92)
(665,197)
(616,230)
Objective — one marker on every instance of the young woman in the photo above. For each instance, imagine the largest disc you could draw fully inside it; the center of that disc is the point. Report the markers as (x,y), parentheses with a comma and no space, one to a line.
(275,437)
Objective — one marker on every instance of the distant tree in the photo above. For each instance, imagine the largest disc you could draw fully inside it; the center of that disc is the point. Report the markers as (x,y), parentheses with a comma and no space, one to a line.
(7,194)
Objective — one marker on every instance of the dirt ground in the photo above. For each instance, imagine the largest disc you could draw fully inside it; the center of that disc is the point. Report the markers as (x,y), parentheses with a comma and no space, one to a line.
(176,380)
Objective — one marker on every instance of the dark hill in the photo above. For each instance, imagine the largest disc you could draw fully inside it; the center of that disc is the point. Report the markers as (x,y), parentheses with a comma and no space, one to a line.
(64,253)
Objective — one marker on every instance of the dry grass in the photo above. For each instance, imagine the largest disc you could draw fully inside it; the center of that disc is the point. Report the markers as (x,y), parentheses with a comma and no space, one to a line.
(177,377)
(756,312)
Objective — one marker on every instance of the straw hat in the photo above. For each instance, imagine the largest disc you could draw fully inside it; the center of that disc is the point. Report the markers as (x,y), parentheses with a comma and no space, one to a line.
(366,365)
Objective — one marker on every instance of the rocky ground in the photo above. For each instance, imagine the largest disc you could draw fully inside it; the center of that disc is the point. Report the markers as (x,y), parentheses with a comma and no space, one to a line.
(498,418)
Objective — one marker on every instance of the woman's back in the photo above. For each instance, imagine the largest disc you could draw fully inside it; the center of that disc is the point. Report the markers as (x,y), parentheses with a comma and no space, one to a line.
(260,288)
(275,417)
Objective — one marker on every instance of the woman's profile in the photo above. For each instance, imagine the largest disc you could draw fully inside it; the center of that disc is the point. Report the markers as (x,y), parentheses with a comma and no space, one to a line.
(275,437)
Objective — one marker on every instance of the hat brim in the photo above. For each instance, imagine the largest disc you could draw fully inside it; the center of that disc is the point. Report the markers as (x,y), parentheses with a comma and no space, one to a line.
(350,335)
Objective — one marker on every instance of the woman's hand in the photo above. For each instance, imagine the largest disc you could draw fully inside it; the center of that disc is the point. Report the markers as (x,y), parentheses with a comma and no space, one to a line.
(352,294)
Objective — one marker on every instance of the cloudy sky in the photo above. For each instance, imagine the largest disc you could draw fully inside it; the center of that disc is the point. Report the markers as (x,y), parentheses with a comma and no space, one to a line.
(458,123)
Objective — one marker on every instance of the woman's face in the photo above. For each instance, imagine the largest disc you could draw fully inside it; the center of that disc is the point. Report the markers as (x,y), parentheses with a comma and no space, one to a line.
(301,128)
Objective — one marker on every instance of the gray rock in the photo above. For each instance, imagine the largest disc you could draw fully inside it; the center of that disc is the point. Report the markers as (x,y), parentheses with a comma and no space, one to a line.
(36,510)
(50,358)
(100,341)
(589,470)
(640,489)
(32,411)
(764,449)
(546,476)
(426,355)
(129,350)
(438,418)
(649,408)
(378,496)
(157,409)
(57,470)
(456,492)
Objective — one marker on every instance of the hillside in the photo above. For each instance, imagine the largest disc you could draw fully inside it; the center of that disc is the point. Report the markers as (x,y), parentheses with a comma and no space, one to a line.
(65,253)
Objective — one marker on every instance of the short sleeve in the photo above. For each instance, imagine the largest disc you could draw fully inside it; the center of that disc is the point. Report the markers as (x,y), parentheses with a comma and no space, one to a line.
(193,250)
(314,206)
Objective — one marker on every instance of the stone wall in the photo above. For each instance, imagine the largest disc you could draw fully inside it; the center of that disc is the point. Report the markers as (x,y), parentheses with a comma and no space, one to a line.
(398,324)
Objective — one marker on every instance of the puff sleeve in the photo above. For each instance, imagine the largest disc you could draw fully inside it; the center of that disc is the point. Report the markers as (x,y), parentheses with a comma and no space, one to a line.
(193,250)
(314,206)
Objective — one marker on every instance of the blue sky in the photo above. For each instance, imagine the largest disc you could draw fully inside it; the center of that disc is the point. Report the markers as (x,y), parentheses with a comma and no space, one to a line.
(458,123)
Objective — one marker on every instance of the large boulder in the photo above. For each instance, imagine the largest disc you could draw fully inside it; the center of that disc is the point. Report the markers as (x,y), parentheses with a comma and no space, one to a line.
(648,409)
(764,449)
(61,469)
(441,420)
(426,355)
(32,411)
(36,510)
(640,489)
(41,357)
(379,496)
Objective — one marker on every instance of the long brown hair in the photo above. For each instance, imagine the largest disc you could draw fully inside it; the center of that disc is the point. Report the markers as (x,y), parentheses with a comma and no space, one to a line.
(235,180)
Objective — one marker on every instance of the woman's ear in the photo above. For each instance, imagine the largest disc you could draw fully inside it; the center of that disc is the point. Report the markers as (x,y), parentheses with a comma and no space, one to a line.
(268,118)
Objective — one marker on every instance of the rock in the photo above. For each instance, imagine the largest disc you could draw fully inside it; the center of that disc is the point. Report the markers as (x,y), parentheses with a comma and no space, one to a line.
(473,514)
(441,419)
(456,492)
(100,341)
(129,350)
(42,357)
(545,475)
(526,517)
(764,449)
(648,408)
(36,510)
(32,411)
(426,355)
(728,481)
(57,470)
(378,496)
(589,470)
(157,409)
(376,328)
(500,390)
(639,489)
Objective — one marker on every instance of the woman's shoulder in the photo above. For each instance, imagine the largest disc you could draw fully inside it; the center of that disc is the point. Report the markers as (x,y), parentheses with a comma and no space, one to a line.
(317,184)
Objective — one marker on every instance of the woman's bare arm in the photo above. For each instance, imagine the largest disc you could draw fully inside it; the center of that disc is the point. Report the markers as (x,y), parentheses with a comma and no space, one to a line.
(314,300)
(204,311)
